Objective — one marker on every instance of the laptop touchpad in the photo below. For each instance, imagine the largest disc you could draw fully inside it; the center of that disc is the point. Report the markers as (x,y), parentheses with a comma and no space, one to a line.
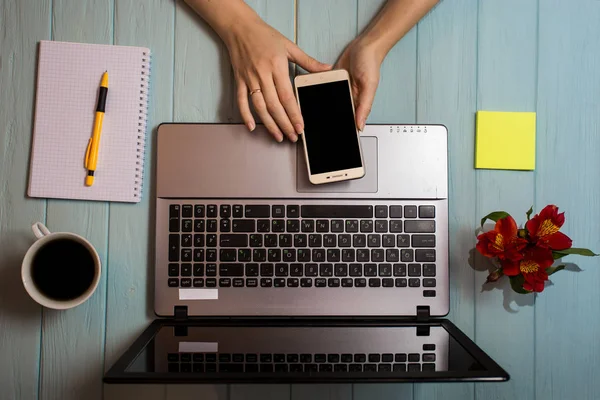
(367,184)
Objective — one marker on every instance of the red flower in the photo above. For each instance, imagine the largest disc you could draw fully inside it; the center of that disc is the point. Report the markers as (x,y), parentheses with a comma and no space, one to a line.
(503,241)
(544,229)
(533,267)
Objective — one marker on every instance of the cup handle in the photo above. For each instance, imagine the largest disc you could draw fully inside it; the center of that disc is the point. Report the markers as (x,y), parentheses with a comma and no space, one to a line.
(40,230)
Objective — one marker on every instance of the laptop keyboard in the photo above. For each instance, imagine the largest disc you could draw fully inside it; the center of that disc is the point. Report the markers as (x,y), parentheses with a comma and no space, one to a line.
(302,246)
(267,362)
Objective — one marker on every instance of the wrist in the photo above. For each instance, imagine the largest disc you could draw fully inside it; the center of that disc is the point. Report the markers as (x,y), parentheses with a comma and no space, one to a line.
(238,19)
(374,43)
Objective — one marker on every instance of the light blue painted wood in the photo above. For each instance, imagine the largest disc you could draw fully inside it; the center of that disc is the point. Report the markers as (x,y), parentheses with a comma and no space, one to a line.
(506,74)
(22,24)
(446,88)
(73,340)
(567,351)
(131,232)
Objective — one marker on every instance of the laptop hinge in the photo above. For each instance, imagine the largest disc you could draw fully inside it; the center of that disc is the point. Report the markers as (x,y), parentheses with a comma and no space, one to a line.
(423,313)
(181,313)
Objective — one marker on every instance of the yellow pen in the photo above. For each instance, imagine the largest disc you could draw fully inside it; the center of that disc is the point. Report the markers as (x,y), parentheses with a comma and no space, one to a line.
(91,154)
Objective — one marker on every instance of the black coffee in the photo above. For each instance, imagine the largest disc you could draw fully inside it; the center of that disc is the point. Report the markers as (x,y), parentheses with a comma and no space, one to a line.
(63,269)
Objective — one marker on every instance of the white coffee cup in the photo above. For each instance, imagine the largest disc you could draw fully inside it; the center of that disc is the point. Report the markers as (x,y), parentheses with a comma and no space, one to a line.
(44,237)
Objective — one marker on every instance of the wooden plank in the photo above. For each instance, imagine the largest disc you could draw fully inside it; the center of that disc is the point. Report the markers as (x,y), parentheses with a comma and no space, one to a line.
(323,31)
(506,82)
(395,102)
(567,175)
(73,340)
(446,89)
(22,25)
(131,231)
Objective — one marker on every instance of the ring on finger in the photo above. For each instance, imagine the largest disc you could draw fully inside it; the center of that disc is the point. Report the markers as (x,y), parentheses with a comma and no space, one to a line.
(255,91)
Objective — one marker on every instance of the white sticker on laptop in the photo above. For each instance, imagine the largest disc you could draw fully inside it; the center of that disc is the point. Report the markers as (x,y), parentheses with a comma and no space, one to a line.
(198,347)
(198,294)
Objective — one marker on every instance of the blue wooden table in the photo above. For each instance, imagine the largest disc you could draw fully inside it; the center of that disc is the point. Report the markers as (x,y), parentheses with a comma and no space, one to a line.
(516,55)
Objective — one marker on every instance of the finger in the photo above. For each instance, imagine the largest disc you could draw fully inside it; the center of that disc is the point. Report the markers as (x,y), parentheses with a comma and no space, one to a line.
(288,100)
(299,57)
(261,109)
(244,106)
(366,95)
(274,107)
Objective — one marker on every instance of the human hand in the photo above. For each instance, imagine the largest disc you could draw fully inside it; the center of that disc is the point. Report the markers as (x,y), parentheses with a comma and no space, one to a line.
(363,62)
(259,56)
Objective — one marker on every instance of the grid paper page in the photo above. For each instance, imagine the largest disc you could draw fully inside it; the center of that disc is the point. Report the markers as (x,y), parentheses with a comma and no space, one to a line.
(69,76)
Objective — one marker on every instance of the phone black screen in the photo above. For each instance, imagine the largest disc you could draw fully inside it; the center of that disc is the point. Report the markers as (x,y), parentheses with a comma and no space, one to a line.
(329,128)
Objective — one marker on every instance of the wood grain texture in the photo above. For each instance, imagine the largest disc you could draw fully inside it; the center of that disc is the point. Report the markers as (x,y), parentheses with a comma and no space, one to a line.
(131,231)
(506,76)
(73,340)
(566,318)
(446,91)
(22,25)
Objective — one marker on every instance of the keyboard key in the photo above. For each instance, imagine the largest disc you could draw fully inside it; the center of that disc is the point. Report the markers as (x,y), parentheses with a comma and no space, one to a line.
(366,226)
(263,225)
(355,269)
(348,255)
(419,226)
(336,211)
(251,269)
(425,255)
(374,358)
(340,269)
(285,240)
(406,255)
(174,210)
(429,357)
(173,269)
(428,269)
(315,240)
(231,269)
(423,240)
(360,282)
(347,282)
(395,211)
(304,255)
(173,247)
(414,357)
(363,255)
(337,225)
(187,211)
(173,282)
(385,269)
(428,367)
(211,240)
(333,282)
(374,240)
(326,269)
(251,282)
(186,269)
(198,255)
(370,269)
(333,358)
(374,282)
(198,240)
(387,357)
(414,282)
(399,367)
(186,255)
(243,225)
(392,255)
(227,255)
(306,282)
(292,358)
(399,269)
(429,347)
(387,282)
(402,240)
(281,269)
(311,368)
(395,226)
(279,282)
(225,211)
(257,211)
(344,240)
(389,241)
(322,225)
(211,255)
(244,255)
(270,240)
(333,255)
(410,211)
(211,211)
(293,225)
(381,226)
(311,270)
(186,240)
(174,224)
(277,225)
(278,211)
(426,211)
(211,269)
(198,269)
(400,357)
(186,282)
(266,269)
(329,240)
(296,269)
(384,368)
(351,226)
(320,282)
(238,211)
(428,293)
(199,211)
(259,255)
(211,225)
(187,225)
(256,240)
(359,240)
(274,255)
(377,255)
(400,282)
(199,225)
(293,211)
(308,225)
(300,240)
(381,211)
(414,269)
(225,282)
(429,282)
(289,255)
(266,282)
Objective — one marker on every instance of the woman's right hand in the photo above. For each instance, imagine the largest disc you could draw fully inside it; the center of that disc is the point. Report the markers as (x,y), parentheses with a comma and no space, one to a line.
(259,56)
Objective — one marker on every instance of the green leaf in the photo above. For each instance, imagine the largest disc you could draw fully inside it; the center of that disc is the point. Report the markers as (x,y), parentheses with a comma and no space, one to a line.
(574,250)
(551,270)
(529,213)
(494,216)
(556,255)
(516,282)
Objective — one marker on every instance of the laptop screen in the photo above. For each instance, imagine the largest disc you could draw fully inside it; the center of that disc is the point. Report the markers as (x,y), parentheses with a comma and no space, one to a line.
(306,353)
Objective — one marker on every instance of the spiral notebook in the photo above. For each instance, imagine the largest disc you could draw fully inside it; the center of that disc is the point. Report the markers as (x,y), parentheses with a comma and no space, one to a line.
(66,95)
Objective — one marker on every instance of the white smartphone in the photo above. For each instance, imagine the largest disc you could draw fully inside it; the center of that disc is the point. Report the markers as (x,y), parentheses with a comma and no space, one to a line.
(331,138)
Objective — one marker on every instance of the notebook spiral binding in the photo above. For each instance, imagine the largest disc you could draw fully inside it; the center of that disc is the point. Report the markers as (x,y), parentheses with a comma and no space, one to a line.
(142,124)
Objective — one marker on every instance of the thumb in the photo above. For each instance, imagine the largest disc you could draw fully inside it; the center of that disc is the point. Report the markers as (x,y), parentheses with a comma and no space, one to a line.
(299,57)
(366,95)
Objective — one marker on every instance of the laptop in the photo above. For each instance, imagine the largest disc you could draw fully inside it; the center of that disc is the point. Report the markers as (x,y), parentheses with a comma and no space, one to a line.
(263,277)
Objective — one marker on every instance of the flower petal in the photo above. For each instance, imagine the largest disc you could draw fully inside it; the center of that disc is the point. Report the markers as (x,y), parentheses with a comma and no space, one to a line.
(507,228)
(510,268)
(557,241)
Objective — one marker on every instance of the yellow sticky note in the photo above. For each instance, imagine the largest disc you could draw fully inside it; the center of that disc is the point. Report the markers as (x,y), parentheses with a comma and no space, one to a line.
(505,140)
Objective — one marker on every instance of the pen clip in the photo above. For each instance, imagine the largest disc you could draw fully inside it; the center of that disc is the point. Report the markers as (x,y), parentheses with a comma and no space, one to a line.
(87,154)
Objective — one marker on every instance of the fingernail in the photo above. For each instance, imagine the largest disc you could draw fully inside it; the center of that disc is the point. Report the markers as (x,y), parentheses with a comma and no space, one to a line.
(279,138)
(251,126)
(362,125)
(293,138)
(299,129)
